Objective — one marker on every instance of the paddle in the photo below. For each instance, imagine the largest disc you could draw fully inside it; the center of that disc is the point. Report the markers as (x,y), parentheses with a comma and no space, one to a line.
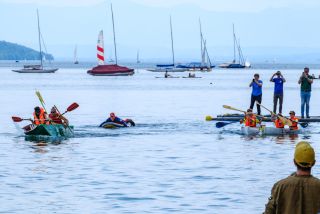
(19,119)
(283,119)
(222,124)
(235,109)
(41,100)
(72,107)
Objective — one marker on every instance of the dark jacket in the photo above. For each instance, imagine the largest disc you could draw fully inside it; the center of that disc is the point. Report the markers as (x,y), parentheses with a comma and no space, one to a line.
(117,120)
(295,195)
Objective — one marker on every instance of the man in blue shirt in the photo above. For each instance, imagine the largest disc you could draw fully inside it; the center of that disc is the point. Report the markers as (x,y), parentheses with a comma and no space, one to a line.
(278,80)
(256,94)
(113,118)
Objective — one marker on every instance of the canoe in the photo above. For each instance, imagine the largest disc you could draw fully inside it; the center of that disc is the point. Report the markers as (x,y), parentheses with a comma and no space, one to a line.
(267,118)
(263,130)
(246,130)
(276,131)
(56,130)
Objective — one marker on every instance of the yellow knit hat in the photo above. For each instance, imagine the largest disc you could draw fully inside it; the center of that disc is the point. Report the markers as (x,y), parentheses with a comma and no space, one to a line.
(304,155)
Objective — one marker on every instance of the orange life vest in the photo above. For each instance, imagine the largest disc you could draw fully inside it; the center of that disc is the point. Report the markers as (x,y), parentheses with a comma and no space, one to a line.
(278,123)
(294,121)
(55,118)
(251,121)
(41,119)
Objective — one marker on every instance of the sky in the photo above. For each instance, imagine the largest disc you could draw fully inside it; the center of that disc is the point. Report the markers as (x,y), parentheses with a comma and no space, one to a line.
(267,29)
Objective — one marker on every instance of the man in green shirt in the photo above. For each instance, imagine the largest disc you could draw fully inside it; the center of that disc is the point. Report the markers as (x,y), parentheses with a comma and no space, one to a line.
(305,93)
(300,192)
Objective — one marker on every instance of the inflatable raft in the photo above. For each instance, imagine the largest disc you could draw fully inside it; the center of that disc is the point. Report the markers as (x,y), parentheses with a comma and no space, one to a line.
(263,130)
(112,125)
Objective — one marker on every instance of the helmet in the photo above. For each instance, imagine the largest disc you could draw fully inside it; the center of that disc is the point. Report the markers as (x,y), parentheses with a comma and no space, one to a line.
(304,155)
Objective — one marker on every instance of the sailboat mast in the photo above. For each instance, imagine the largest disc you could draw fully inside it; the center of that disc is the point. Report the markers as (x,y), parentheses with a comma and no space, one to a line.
(39,35)
(201,42)
(234,44)
(114,37)
(172,42)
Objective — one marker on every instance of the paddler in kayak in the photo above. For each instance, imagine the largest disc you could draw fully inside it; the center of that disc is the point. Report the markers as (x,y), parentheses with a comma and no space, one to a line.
(40,116)
(294,121)
(114,119)
(57,118)
(278,122)
(250,119)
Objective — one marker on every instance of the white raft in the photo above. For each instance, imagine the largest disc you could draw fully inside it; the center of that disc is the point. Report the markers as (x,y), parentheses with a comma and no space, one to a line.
(263,130)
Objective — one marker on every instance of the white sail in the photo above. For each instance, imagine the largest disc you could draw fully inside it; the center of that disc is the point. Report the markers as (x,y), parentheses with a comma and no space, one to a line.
(100,49)
(75,56)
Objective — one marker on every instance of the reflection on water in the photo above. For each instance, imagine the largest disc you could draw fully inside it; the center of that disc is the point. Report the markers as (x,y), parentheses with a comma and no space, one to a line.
(171,161)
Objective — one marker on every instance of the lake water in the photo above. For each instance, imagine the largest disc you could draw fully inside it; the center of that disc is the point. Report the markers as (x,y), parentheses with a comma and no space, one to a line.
(172,161)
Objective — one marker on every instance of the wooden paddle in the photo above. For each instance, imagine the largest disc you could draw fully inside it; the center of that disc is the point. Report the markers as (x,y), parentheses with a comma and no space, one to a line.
(235,109)
(283,119)
(41,100)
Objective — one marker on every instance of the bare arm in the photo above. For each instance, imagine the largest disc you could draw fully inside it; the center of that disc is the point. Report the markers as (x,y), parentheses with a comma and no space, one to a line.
(271,79)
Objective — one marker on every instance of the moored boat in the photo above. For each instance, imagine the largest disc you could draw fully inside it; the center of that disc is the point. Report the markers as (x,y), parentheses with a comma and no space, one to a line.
(36,68)
(108,70)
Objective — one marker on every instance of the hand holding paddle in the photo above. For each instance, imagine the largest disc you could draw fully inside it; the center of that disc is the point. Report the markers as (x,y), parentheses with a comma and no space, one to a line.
(283,119)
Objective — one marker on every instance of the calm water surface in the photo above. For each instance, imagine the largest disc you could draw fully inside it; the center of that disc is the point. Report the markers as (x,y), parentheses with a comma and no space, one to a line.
(173,161)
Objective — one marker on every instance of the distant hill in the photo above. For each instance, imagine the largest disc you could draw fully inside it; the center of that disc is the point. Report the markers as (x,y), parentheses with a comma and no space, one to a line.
(12,51)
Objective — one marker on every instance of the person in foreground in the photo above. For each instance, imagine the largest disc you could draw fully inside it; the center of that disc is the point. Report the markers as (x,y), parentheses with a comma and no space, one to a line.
(40,116)
(114,119)
(278,80)
(57,118)
(305,81)
(300,192)
(256,94)
(250,119)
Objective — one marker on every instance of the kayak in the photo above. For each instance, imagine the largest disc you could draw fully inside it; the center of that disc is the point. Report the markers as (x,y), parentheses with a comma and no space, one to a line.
(112,125)
(263,130)
(57,130)
(276,131)
(246,130)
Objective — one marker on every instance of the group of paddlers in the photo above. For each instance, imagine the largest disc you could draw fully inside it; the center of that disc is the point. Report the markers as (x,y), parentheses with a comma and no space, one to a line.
(40,116)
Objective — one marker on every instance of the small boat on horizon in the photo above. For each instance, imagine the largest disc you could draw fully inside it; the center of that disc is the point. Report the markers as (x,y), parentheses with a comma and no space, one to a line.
(36,68)
(241,63)
(108,70)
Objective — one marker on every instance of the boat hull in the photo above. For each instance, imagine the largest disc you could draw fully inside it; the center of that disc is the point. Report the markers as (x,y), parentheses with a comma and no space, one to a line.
(111,70)
(231,65)
(167,69)
(56,130)
(33,71)
(263,130)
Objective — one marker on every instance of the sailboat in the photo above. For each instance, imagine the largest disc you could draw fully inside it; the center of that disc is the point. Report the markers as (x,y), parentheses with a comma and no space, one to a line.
(37,68)
(169,67)
(108,70)
(241,62)
(138,58)
(75,56)
(205,64)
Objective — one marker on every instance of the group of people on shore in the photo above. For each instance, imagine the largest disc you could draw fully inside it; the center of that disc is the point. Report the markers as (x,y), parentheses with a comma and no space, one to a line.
(305,82)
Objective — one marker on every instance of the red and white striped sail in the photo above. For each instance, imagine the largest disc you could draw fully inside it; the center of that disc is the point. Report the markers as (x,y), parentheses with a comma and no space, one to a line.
(100,49)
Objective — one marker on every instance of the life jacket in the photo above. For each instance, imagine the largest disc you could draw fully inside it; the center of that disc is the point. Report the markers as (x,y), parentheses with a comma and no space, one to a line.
(251,121)
(55,118)
(278,123)
(294,121)
(41,119)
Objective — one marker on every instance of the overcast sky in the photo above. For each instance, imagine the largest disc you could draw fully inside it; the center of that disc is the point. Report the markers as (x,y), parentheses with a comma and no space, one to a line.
(265,27)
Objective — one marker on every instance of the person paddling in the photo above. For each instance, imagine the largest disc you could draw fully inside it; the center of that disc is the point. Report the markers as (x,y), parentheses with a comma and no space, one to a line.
(294,121)
(250,119)
(57,118)
(40,116)
(114,119)
(278,122)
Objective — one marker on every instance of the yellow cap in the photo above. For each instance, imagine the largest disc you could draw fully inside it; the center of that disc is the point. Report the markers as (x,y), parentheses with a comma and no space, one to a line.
(304,155)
